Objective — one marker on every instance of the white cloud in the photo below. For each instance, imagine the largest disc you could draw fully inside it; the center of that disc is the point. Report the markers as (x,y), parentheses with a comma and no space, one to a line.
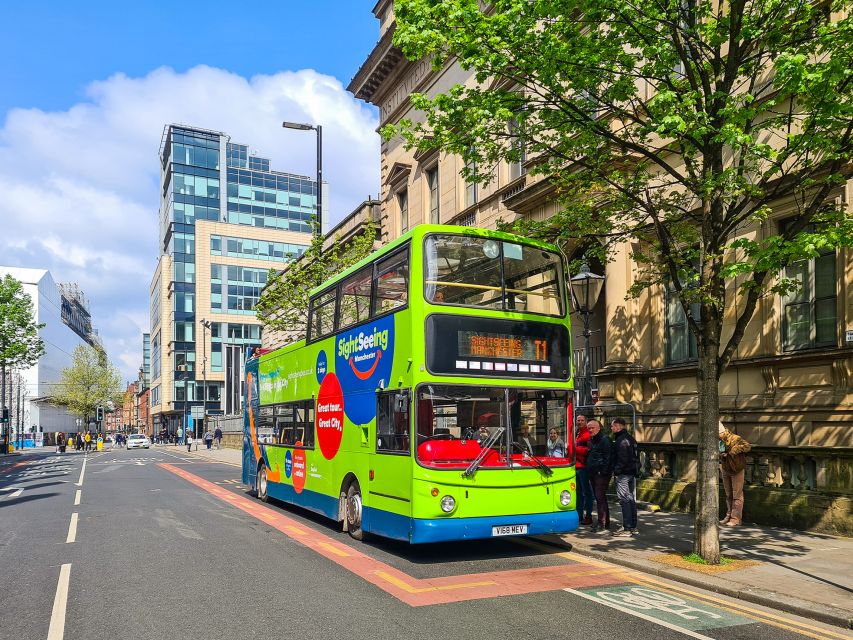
(80,187)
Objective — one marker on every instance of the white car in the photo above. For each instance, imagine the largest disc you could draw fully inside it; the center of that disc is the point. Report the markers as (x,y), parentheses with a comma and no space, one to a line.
(137,441)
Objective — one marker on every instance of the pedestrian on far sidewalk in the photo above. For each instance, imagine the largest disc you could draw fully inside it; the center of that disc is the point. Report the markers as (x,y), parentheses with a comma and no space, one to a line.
(585,495)
(217,435)
(626,468)
(733,450)
(189,442)
(208,439)
(598,467)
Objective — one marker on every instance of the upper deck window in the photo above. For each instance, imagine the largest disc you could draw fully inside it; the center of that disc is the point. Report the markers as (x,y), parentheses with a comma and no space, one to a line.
(494,274)
(392,282)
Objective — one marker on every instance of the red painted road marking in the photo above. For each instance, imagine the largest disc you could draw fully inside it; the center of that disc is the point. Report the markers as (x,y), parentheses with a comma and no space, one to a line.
(414,591)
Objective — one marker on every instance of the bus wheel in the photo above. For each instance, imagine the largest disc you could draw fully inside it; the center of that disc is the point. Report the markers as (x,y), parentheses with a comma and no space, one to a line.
(262,484)
(353,511)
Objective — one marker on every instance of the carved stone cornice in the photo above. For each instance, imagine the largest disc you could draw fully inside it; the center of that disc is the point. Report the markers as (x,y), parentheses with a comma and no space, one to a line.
(375,70)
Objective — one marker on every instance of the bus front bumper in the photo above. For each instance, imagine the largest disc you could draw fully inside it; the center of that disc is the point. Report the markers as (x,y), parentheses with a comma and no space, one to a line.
(447,529)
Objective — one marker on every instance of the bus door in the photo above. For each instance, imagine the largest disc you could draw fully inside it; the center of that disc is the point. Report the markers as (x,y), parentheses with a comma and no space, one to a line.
(390,485)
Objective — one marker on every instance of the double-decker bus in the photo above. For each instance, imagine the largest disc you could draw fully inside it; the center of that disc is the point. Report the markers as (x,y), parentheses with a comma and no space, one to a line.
(431,398)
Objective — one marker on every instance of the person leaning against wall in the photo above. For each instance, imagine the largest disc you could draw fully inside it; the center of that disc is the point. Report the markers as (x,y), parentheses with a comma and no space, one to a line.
(733,450)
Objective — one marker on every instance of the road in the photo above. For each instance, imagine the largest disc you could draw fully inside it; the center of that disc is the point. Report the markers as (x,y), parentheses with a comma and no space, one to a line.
(160,544)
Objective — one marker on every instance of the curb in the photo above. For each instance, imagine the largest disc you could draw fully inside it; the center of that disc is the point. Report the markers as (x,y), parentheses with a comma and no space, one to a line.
(821,613)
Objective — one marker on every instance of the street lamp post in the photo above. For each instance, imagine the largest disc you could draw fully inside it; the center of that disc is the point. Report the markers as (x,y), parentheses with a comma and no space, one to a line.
(205,328)
(319,129)
(586,287)
(183,369)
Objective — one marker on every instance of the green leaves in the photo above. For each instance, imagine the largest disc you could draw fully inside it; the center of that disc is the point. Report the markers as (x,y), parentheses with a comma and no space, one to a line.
(676,126)
(91,381)
(20,344)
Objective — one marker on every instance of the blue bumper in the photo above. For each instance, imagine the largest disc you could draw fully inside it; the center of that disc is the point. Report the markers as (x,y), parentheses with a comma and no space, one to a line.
(444,530)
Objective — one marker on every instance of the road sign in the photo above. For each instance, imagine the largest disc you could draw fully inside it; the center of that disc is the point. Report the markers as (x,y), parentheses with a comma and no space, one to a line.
(197,412)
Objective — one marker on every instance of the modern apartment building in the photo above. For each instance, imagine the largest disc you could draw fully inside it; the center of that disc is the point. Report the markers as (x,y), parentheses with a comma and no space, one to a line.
(789,388)
(217,245)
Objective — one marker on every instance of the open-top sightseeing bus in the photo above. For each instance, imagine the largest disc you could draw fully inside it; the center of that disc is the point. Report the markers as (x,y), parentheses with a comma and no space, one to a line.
(431,399)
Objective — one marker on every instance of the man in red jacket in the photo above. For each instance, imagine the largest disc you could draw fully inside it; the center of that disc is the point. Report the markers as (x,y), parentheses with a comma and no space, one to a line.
(585,495)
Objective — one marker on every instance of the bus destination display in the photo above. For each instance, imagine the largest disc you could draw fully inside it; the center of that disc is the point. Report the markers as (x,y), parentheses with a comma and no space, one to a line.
(494,347)
(501,345)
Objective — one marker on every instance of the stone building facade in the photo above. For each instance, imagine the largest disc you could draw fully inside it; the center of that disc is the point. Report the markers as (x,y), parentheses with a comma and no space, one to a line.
(789,389)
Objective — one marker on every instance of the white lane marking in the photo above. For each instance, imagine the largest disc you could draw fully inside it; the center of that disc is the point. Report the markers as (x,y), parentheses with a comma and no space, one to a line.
(82,471)
(642,616)
(72,529)
(77,497)
(57,618)
(16,491)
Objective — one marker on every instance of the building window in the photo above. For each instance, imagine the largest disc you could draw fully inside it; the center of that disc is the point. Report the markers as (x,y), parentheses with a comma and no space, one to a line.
(809,314)
(680,341)
(470,187)
(403,203)
(238,287)
(432,185)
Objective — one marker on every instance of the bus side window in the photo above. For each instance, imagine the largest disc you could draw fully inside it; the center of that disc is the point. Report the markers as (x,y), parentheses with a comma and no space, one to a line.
(391,286)
(321,318)
(307,413)
(392,421)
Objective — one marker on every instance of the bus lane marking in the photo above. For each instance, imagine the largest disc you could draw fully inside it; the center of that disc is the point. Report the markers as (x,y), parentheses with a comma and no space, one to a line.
(739,609)
(748,612)
(638,614)
(415,592)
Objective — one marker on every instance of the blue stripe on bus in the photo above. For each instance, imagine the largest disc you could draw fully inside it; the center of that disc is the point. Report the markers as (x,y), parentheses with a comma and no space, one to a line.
(311,500)
(444,530)
(417,530)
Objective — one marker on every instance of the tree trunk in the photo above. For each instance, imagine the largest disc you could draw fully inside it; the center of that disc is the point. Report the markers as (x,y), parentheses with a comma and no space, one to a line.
(706,541)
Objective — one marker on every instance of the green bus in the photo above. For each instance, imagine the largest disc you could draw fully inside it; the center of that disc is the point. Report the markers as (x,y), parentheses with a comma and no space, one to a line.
(432,397)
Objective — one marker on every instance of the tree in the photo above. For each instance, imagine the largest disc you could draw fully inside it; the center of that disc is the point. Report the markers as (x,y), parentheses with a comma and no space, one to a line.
(283,305)
(673,124)
(20,344)
(90,382)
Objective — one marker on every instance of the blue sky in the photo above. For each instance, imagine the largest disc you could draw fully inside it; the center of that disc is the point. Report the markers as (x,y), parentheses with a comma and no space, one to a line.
(49,51)
(87,87)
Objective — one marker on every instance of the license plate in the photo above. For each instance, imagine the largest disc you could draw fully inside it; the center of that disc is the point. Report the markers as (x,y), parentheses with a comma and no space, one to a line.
(509,530)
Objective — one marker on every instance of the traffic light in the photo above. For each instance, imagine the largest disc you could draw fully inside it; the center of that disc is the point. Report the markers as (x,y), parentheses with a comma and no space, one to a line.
(99,414)
(5,417)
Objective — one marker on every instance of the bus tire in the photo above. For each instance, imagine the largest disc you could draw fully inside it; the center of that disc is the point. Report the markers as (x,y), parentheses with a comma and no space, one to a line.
(261,484)
(354,511)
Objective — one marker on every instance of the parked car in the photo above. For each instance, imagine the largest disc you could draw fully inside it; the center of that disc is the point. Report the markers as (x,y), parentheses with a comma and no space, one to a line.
(137,441)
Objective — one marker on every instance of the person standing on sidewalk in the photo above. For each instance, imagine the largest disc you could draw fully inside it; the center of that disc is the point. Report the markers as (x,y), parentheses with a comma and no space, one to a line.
(585,494)
(217,435)
(208,439)
(189,441)
(598,468)
(626,464)
(733,450)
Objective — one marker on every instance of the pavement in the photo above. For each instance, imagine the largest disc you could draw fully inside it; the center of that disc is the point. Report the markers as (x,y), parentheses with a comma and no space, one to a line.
(808,574)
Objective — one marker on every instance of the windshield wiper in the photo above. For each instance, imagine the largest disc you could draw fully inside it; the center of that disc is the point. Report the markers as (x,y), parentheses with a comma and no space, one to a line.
(486,447)
(545,468)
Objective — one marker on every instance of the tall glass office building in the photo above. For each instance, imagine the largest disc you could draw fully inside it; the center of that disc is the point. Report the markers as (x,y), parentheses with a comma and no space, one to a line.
(226,218)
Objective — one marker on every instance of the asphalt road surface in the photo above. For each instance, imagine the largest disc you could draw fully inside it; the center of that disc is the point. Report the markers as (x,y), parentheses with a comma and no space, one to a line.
(160,544)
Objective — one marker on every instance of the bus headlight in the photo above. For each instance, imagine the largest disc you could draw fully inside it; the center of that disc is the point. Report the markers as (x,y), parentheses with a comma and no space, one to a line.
(448,504)
(565,498)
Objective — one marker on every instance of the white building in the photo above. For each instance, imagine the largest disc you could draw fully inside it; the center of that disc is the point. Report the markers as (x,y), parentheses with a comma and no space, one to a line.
(65,313)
